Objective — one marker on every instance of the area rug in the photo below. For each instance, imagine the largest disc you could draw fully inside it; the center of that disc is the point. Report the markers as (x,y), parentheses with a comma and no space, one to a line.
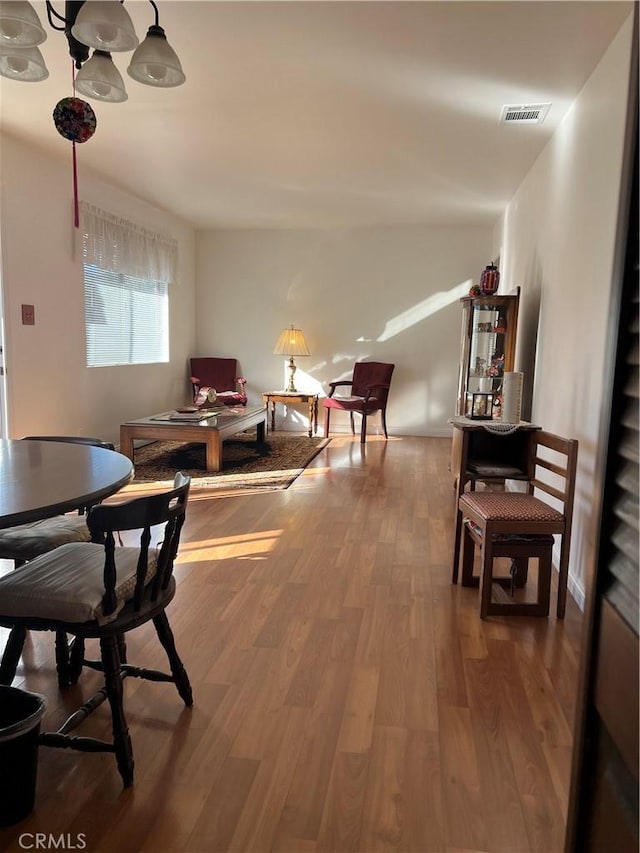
(275,465)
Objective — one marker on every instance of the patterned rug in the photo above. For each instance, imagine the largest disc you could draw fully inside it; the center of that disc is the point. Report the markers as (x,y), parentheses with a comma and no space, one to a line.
(275,465)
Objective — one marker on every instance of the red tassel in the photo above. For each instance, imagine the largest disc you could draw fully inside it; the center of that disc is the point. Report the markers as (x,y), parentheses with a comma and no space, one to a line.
(76,211)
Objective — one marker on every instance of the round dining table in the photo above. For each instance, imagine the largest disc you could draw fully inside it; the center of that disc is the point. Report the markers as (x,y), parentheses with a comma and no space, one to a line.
(40,479)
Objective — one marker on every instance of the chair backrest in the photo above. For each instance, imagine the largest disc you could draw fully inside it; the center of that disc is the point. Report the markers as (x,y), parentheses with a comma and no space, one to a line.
(561,465)
(72,439)
(218,373)
(142,514)
(367,373)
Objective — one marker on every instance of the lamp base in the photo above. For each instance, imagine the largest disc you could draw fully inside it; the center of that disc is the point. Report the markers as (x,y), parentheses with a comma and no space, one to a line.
(291,367)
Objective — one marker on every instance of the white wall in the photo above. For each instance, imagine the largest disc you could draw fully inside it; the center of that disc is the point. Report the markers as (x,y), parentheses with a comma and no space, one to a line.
(384,294)
(557,239)
(50,389)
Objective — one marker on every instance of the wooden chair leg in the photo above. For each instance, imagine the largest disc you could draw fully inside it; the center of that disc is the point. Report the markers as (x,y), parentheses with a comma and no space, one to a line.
(113,687)
(353,426)
(456,545)
(327,415)
(383,417)
(11,654)
(522,571)
(62,659)
(544,583)
(468,554)
(486,577)
(180,677)
(122,648)
(76,659)
(563,576)
(363,429)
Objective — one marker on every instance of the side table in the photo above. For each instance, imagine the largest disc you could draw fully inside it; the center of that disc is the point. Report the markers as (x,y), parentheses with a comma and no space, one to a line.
(270,398)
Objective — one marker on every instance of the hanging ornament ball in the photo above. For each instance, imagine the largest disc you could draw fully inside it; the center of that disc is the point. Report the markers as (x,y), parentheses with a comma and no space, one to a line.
(74,119)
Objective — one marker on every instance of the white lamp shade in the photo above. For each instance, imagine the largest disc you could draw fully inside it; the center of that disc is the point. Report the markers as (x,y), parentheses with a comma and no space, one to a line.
(23,63)
(100,79)
(291,342)
(20,25)
(155,62)
(105,25)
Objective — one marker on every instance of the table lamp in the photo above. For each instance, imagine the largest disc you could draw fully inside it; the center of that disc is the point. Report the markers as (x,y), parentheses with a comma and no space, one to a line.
(291,343)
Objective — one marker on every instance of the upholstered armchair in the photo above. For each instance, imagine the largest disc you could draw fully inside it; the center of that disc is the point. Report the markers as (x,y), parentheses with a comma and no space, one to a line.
(369,392)
(221,375)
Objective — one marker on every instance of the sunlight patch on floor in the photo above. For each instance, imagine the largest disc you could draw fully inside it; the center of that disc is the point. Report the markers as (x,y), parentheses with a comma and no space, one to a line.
(246,545)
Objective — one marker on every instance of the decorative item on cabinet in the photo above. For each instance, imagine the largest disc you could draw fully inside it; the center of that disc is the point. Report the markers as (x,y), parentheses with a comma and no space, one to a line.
(479,405)
(489,280)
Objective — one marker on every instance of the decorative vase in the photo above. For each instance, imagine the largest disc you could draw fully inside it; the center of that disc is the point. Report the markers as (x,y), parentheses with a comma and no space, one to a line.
(489,280)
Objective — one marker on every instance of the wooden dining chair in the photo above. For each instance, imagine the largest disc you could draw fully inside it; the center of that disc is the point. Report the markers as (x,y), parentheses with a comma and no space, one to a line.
(93,590)
(520,526)
(24,542)
(369,386)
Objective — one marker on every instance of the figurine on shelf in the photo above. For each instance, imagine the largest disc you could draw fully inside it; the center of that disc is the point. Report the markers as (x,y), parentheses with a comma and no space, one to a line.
(496,368)
(474,291)
(500,325)
(480,363)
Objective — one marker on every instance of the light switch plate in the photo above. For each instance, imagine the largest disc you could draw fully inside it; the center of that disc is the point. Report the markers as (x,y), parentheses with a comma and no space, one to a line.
(28,315)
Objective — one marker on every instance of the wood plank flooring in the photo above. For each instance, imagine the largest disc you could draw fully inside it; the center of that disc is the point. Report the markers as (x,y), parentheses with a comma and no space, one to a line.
(347,696)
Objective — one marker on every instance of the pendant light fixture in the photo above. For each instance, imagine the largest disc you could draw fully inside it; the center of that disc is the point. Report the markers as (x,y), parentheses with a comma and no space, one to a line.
(99,78)
(105,26)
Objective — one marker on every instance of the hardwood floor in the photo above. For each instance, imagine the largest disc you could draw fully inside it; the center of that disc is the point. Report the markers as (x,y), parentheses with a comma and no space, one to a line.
(347,696)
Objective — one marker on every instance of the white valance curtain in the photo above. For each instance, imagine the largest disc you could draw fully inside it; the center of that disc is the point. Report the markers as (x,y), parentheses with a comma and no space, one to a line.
(117,245)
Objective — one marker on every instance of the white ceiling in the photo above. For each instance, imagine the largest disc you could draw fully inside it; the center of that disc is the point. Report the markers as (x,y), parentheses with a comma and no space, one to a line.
(331,114)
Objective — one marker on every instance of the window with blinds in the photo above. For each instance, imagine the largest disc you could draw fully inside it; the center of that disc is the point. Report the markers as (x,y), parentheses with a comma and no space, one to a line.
(127,318)
(127,273)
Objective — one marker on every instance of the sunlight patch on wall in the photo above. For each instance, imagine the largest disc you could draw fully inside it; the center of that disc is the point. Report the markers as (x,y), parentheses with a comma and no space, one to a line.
(423,310)
(304,382)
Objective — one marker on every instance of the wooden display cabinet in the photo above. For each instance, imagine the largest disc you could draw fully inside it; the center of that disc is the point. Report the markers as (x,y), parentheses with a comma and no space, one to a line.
(488,344)
(487,351)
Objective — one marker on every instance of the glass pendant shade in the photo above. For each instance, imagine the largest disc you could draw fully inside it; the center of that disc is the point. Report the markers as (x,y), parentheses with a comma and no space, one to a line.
(105,25)
(20,25)
(155,63)
(22,63)
(100,79)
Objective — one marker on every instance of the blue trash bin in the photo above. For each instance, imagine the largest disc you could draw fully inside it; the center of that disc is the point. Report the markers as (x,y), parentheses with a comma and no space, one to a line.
(20,716)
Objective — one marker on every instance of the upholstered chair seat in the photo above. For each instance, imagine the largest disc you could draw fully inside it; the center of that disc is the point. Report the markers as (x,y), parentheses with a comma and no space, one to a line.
(68,583)
(27,541)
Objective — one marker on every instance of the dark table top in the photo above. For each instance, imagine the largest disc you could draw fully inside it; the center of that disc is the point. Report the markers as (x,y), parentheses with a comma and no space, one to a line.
(39,479)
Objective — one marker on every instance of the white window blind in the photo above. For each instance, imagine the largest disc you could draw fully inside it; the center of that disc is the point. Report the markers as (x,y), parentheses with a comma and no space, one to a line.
(127,318)
(127,271)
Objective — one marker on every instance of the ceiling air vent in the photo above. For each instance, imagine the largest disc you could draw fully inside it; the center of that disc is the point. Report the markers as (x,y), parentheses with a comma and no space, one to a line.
(524,114)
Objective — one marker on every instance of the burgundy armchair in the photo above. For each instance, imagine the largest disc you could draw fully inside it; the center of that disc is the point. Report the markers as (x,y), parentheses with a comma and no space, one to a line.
(369,391)
(221,374)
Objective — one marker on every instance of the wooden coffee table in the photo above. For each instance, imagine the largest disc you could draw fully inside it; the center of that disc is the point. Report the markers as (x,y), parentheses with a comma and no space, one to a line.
(211,431)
